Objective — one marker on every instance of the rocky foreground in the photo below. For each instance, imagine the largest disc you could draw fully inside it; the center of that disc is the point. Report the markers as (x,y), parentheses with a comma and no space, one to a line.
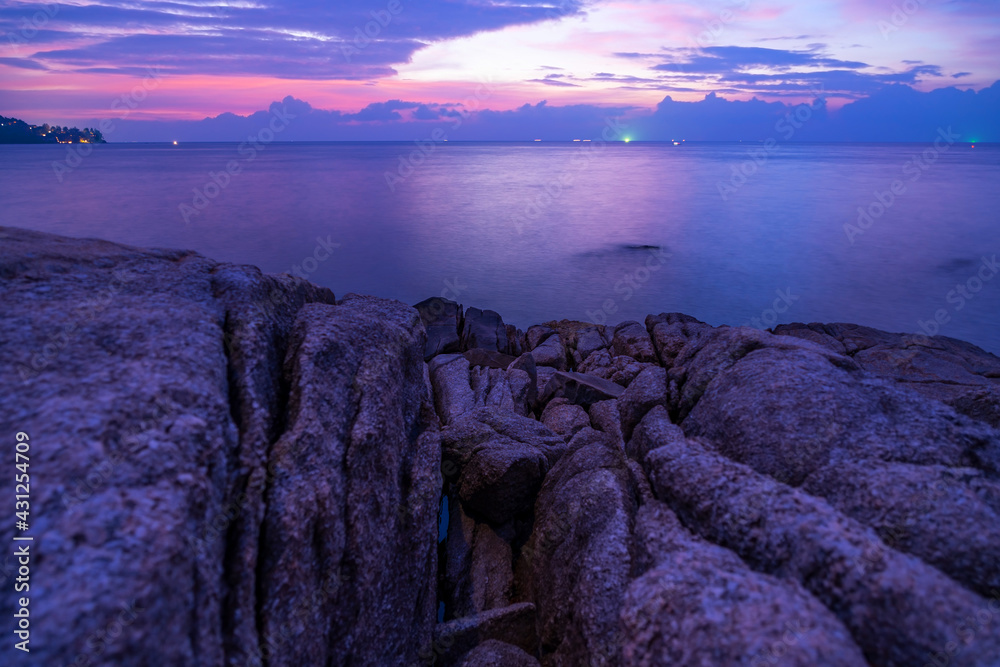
(232,468)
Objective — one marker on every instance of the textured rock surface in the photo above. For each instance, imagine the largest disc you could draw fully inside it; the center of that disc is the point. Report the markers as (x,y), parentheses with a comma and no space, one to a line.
(159,399)
(949,370)
(502,458)
(564,418)
(478,572)
(235,469)
(949,517)
(898,609)
(645,392)
(484,329)
(443,321)
(351,449)
(605,417)
(453,395)
(809,408)
(493,653)
(699,604)
(632,340)
(579,555)
(513,625)
(123,392)
(550,353)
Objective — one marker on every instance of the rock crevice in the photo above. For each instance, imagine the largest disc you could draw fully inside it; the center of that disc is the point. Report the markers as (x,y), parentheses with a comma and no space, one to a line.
(244,470)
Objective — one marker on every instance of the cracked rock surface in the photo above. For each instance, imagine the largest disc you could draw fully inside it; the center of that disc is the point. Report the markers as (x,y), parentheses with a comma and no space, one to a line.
(233,468)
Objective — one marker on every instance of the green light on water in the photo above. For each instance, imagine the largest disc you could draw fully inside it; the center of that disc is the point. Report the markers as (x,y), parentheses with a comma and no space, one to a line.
(628,139)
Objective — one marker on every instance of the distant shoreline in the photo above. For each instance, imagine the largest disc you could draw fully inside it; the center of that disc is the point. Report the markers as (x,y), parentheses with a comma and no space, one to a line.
(493,142)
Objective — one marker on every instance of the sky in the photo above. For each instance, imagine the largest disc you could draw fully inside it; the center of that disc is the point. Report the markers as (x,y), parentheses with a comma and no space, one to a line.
(504,69)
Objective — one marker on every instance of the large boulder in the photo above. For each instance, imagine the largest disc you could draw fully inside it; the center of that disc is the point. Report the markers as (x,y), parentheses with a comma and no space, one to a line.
(632,340)
(605,417)
(359,423)
(655,430)
(921,475)
(550,352)
(502,458)
(443,321)
(579,555)
(115,368)
(645,392)
(951,371)
(712,351)
(460,387)
(565,418)
(538,334)
(453,394)
(485,329)
(898,609)
(807,407)
(589,340)
(699,604)
(149,384)
(949,517)
(526,364)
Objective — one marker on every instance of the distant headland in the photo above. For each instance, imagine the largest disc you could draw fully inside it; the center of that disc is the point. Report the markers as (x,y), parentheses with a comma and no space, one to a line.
(15,131)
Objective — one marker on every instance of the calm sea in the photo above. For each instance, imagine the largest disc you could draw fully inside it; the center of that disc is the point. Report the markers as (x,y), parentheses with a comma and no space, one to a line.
(729,233)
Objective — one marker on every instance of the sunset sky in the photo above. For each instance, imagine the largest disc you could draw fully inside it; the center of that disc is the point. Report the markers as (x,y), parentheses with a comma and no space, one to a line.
(68,62)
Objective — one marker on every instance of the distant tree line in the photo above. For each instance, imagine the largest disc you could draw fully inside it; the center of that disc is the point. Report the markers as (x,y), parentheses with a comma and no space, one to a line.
(15,131)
